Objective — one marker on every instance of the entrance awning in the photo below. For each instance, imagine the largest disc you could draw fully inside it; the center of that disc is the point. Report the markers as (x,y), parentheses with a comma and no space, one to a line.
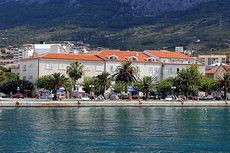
(131,89)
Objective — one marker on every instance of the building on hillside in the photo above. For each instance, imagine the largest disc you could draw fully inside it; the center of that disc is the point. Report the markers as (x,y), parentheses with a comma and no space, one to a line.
(6,62)
(218,72)
(211,59)
(173,62)
(29,50)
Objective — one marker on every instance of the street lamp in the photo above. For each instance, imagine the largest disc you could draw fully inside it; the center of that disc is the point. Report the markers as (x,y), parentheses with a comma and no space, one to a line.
(91,86)
(173,88)
(18,88)
(78,85)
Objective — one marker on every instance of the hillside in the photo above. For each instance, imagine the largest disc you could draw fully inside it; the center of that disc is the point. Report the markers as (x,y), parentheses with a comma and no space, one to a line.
(117,24)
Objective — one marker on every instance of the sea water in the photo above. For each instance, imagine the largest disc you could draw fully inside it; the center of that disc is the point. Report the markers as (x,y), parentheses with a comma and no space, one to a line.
(114,129)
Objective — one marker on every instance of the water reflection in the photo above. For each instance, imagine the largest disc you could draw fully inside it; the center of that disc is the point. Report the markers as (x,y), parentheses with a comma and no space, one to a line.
(117,129)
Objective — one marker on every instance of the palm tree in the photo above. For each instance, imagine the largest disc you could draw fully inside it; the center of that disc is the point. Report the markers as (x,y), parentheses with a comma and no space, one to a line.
(189,79)
(89,83)
(225,84)
(126,72)
(146,85)
(58,80)
(75,70)
(103,82)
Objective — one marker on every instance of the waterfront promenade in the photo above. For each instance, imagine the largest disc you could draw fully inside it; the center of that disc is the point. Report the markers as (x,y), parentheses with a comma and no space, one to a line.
(31,102)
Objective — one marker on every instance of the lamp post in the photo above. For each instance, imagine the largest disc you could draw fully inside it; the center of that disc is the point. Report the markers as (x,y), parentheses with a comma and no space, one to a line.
(90,92)
(77,87)
(18,88)
(173,88)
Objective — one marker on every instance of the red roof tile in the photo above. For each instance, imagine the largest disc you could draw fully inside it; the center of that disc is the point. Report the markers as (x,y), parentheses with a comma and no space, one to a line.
(212,71)
(87,57)
(122,55)
(168,54)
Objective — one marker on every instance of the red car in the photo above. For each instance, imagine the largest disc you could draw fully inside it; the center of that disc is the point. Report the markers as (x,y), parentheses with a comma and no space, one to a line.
(18,95)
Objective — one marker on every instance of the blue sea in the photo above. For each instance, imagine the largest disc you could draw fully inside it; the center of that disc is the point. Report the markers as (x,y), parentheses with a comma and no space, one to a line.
(114,129)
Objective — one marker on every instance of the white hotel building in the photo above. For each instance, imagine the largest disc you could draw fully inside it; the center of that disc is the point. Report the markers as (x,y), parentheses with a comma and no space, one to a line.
(159,64)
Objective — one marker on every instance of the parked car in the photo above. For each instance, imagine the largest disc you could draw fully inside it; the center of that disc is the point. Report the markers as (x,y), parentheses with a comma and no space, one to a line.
(18,95)
(114,97)
(2,94)
(210,97)
(218,98)
(201,98)
(170,97)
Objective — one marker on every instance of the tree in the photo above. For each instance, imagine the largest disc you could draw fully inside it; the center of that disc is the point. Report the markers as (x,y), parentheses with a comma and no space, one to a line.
(120,86)
(126,72)
(53,81)
(146,85)
(225,84)
(87,82)
(208,84)
(43,82)
(75,70)
(164,86)
(58,80)
(2,77)
(12,85)
(11,76)
(189,79)
(103,82)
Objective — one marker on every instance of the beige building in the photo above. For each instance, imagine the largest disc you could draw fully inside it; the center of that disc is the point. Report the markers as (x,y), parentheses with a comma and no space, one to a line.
(146,65)
(211,59)
(34,67)
(218,72)
(173,62)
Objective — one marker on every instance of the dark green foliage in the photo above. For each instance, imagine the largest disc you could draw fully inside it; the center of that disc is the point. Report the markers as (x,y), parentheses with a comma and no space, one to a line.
(115,25)
(12,85)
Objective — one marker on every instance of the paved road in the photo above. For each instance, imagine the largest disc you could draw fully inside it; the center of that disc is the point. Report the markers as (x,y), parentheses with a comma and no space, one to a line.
(32,102)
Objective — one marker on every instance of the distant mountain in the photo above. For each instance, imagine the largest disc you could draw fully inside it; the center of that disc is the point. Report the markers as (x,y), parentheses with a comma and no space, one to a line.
(118,24)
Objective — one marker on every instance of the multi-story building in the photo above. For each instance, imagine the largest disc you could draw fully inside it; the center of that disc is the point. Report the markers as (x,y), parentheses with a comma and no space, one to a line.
(173,62)
(148,63)
(29,50)
(211,59)
(218,72)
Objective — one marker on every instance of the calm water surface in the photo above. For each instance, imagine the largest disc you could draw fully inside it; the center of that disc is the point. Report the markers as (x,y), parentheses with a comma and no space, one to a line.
(114,129)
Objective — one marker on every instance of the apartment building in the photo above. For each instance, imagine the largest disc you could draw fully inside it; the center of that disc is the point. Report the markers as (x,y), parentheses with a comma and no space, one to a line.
(173,62)
(211,59)
(148,63)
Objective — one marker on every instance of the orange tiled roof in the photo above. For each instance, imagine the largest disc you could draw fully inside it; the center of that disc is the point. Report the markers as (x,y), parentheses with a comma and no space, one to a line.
(212,71)
(227,66)
(168,54)
(67,56)
(6,60)
(122,55)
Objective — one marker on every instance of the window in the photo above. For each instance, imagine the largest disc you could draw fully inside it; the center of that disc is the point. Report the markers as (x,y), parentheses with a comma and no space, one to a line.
(49,66)
(62,66)
(24,78)
(112,69)
(156,70)
(86,67)
(30,77)
(171,71)
(113,57)
(99,68)
(24,68)
(133,58)
(178,69)
(151,71)
(138,69)
(31,65)
(151,59)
